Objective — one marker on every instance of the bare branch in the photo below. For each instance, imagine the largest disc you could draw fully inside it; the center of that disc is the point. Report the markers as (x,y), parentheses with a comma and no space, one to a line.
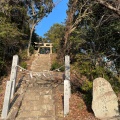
(108,5)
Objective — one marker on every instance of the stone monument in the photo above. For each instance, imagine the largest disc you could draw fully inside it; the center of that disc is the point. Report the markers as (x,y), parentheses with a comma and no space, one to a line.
(105,101)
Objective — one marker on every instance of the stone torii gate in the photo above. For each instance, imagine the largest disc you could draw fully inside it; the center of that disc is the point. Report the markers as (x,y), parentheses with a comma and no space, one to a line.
(44,45)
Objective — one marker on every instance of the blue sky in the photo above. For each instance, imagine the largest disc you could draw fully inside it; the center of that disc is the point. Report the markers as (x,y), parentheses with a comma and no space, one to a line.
(58,15)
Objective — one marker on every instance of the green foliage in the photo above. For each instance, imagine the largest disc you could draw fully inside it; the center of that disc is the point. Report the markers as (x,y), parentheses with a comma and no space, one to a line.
(57,65)
(96,34)
(23,55)
(14,31)
(31,49)
(114,81)
(37,10)
(55,35)
(88,68)
(9,32)
(2,68)
(87,86)
(24,65)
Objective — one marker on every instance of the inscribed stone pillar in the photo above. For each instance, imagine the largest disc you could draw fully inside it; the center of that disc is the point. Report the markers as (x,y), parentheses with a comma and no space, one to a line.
(66,97)
(67,87)
(67,67)
(105,101)
(6,103)
(14,73)
(50,50)
(67,72)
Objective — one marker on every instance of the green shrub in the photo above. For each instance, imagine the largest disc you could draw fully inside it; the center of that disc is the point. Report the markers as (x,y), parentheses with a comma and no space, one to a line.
(57,65)
(84,66)
(24,65)
(3,70)
(23,55)
(31,49)
(87,86)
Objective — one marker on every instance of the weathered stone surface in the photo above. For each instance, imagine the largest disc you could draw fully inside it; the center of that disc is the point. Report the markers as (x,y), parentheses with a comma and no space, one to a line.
(105,101)
(38,102)
(13,112)
(66,96)
(112,118)
(6,104)
(14,74)
(67,86)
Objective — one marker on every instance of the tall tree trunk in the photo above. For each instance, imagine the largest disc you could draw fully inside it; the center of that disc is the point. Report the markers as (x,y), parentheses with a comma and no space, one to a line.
(69,22)
(30,39)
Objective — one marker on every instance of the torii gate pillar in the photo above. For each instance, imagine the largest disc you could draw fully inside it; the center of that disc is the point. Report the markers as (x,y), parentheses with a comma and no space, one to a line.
(50,50)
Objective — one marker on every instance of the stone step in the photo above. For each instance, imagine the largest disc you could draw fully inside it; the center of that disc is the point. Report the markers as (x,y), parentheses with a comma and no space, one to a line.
(38,102)
(35,114)
(34,106)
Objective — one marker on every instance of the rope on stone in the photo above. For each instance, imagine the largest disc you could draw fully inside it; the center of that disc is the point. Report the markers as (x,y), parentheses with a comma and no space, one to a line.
(32,73)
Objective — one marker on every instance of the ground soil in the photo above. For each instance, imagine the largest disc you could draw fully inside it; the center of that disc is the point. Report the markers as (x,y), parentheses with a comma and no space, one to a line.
(78,108)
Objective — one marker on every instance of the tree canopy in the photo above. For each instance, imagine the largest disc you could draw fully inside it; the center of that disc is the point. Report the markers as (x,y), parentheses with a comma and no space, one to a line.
(55,35)
(92,36)
(37,10)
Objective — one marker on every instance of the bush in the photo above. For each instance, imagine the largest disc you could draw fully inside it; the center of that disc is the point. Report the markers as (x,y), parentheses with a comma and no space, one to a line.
(87,86)
(31,49)
(85,67)
(23,55)
(3,70)
(24,65)
(57,65)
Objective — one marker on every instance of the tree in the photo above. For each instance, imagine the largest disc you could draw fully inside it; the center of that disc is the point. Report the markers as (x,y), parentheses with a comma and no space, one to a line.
(103,34)
(37,10)
(94,44)
(77,11)
(55,35)
(97,37)
(13,30)
(112,5)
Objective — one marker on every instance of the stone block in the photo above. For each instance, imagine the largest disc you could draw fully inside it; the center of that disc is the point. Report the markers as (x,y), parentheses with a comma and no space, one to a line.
(105,101)
(66,96)
(6,103)
(14,74)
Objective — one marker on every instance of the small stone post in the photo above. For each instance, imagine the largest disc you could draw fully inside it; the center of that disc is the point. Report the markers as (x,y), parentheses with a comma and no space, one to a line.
(67,72)
(6,103)
(14,74)
(67,87)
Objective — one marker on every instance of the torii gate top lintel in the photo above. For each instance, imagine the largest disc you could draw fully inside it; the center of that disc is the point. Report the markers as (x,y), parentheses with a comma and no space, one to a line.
(44,45)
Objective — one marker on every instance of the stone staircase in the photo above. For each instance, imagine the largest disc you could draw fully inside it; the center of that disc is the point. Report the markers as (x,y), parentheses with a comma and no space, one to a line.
(41,63)
(38,102)
(38,95)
